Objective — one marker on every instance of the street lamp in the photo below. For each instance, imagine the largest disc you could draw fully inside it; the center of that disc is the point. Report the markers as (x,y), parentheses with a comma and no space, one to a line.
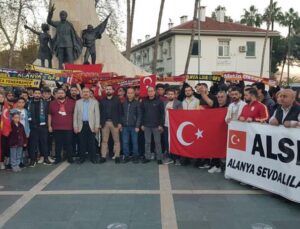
(199,41)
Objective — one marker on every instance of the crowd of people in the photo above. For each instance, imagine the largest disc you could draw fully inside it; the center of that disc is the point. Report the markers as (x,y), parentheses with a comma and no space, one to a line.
(82,123)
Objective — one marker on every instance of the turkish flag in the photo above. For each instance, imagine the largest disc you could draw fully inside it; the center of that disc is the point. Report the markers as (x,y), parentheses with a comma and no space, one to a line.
(198,133)
(237,140)
(145,82)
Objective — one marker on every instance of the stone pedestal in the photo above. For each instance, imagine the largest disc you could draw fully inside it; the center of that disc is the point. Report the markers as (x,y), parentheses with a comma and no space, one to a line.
(83,12)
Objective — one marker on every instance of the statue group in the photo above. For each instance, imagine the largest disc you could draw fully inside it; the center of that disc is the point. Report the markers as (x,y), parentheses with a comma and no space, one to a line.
(66,44)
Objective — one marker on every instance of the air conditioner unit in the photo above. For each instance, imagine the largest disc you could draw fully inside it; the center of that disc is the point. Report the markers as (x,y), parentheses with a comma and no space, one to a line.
(242,49)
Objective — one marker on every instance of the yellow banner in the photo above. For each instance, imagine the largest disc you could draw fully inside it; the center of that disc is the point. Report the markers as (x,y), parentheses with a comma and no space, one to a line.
(15,82)
(52,71)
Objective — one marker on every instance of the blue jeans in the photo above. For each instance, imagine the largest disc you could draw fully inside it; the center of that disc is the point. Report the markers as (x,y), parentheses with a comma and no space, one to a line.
(127,134)
(15,156)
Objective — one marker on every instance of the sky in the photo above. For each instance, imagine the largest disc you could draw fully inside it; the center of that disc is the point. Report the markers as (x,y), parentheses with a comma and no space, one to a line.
(147,12)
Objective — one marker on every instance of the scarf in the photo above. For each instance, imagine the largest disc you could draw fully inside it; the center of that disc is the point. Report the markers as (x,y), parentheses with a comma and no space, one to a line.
(42,112)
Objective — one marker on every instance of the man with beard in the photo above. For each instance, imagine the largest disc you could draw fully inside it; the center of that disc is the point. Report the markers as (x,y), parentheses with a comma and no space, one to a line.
(74,93)
(236,106)
(171,104)
(60,123)
(190,102)
(111,113)
(38,118)
(254,111)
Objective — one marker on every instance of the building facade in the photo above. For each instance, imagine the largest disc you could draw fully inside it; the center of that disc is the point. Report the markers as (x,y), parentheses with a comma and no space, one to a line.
(224,46)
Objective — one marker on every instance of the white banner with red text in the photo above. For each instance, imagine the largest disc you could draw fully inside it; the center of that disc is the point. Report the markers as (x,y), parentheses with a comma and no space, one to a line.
(266,157)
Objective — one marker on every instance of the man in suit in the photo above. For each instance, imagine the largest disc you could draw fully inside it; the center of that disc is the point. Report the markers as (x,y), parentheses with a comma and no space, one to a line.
(87,124)
(171,103)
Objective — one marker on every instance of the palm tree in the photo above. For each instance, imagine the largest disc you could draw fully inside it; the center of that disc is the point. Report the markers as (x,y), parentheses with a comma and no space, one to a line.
(154,62)
(251,17)
(268,18)
(275,13)
(290,19)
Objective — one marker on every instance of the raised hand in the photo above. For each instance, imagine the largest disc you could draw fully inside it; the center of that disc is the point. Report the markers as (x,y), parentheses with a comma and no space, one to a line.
(52,9)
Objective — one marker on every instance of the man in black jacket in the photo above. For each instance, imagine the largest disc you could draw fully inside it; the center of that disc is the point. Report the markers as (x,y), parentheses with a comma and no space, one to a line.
(131,122)
(152,123)
(111,113)
(38,119)
(288,114)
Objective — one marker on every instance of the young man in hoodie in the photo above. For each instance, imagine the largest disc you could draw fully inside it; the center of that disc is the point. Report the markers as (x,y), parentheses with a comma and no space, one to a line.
(152,124)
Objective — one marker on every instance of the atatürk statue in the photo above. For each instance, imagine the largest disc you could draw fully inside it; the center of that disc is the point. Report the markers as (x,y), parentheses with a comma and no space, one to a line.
(66,43)
(45,52)
(89,37)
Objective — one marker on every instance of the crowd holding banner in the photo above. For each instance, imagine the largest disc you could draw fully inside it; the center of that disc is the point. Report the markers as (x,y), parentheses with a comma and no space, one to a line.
(188,125)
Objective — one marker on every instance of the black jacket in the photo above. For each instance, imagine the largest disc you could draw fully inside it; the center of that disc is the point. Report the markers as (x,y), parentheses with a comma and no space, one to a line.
(131,114)
(116,111)
(292,115)
(152,113)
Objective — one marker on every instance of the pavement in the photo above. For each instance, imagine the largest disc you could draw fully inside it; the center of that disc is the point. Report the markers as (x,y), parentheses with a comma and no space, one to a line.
(136,196)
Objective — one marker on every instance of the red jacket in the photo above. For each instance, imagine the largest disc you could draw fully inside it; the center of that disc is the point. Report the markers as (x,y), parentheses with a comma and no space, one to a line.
(17,137)
(255,110)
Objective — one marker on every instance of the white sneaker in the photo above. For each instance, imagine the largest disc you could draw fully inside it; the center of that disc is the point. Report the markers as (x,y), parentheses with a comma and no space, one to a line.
(2,166)
(168,161)
(152,156)
(41,160)
(51,160)
(214,170)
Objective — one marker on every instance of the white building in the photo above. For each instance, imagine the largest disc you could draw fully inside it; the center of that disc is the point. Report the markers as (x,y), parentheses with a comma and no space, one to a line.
(224,46)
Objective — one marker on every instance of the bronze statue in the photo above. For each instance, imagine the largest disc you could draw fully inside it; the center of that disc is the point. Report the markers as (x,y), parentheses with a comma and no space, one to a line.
(45,52)
(89,37)
(66,43)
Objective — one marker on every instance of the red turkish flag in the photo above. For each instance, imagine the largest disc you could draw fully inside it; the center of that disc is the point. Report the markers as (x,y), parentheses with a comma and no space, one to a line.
(145,82)
(199,133)
(237,140)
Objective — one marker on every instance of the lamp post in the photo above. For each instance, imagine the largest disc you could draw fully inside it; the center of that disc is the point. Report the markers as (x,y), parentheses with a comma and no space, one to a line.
(199,41)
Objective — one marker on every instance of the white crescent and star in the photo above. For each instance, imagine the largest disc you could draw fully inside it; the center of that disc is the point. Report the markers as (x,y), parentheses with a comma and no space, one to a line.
(234,140)
(147,79)
(180,129)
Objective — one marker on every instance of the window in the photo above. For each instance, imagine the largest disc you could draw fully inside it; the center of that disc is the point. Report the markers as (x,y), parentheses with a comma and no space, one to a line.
(224,47)
(195,50)
(250,48)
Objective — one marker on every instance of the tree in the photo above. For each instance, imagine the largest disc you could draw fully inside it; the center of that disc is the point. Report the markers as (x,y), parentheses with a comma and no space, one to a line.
(268,20)
(12,16)
(130,18)
(154,61)
(187,64)
(290,19)
(274,12)
(214,14)
(279,53)
(251,17)
(114,27)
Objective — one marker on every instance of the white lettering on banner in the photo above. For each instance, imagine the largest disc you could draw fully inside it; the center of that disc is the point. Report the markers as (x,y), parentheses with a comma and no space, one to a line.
(265,156)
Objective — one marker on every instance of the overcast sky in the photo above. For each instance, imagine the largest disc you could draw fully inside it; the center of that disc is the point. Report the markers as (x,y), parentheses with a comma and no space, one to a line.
(147,12)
